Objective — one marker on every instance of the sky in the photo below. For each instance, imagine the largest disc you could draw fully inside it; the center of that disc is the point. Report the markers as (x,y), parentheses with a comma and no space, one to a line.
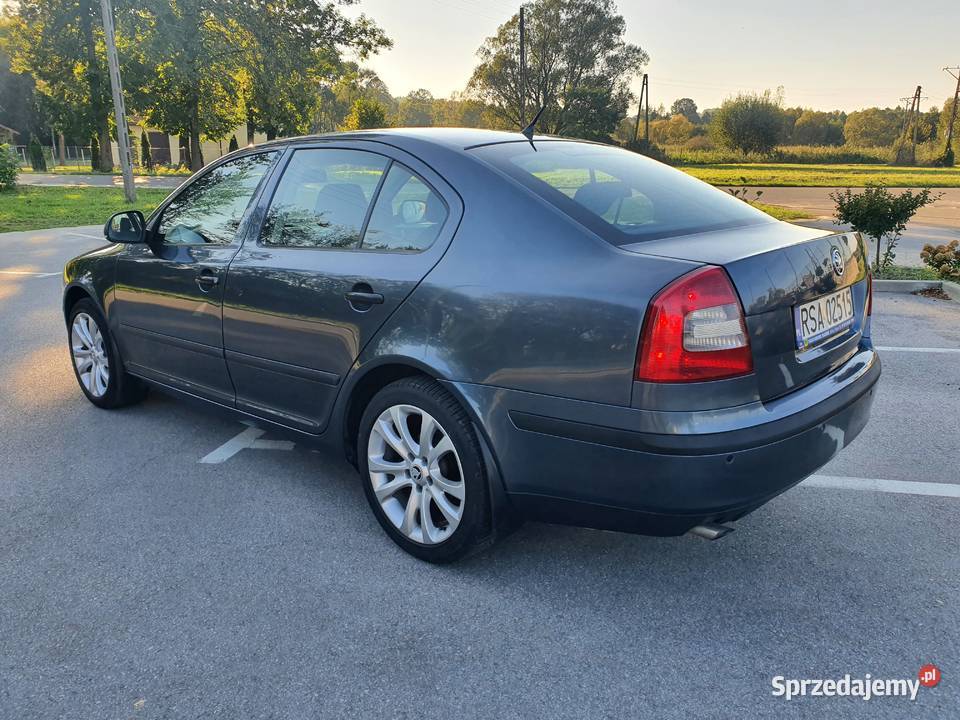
(828,55)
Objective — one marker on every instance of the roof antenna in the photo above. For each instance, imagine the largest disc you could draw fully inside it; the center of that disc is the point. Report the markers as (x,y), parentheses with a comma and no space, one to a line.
(527,132)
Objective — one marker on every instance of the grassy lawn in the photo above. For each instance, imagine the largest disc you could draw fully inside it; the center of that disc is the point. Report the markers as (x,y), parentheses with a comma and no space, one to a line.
(35,208)
(802,175)
(782,213)
(85,170)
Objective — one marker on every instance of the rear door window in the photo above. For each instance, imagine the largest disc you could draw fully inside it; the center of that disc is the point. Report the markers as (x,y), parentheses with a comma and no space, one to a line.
(323,198)
(407,216)
(622,196)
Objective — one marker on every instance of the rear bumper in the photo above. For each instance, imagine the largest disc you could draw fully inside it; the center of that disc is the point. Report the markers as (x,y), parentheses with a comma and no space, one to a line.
(662,473)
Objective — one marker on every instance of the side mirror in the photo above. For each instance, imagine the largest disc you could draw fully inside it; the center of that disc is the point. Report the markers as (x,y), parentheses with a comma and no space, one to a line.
(412,211)
(126,227)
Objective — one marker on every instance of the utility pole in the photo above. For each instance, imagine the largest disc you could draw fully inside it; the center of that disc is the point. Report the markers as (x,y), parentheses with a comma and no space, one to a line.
(644,95)
(120,115)
(523,71)
(953,115)
(916,125)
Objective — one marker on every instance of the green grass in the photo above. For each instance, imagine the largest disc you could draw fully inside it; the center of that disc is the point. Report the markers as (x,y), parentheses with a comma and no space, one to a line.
(803,175)
(902,272)
(782,213)
(37,208)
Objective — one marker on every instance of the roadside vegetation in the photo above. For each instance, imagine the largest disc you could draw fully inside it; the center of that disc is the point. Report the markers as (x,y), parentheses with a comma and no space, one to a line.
(33,208)
(803,175)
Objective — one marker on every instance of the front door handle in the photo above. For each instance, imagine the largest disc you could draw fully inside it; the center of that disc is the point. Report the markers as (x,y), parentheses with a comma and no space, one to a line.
(207,280)
(363,298)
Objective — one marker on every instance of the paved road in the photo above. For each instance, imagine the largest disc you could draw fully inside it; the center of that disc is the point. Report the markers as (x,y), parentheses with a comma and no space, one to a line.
(910,244)
(943,213)
(139,583)
(92,180)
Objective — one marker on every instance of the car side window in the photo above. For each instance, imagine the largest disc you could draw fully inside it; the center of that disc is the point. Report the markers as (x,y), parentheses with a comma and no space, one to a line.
(407,216)
(209,209)
(322,199)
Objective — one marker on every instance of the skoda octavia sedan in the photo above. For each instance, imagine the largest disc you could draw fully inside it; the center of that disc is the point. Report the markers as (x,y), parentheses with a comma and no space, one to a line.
(491,328)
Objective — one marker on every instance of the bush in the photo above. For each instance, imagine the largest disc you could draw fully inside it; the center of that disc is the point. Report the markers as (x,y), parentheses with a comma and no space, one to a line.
(234,145)
(146,155)
(364,114)
(944,259)
(749,123)
(9,167)
(650,149)
(880,215)
(699,151)
(37,161)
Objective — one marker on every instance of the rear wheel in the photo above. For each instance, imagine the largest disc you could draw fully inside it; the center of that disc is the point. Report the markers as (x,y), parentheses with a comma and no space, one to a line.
(423,471)
(96,360)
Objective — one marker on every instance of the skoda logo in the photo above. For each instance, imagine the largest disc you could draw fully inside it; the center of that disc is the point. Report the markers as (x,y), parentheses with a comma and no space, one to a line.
(837,262)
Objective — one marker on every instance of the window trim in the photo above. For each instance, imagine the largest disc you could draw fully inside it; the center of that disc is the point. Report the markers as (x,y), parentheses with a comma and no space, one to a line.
(281,170)
(156,217)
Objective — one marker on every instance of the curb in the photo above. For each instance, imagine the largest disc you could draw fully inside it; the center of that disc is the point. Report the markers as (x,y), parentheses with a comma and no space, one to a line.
(952,289)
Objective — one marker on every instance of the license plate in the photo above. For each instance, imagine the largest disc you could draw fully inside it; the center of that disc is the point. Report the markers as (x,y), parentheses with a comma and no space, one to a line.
(823,318)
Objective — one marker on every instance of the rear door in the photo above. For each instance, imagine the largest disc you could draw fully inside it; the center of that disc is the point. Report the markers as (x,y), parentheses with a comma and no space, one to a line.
(350,230)
(169,291)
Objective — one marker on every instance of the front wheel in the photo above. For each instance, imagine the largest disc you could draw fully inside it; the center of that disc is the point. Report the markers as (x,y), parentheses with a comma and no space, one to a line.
(96,361)
(423,471)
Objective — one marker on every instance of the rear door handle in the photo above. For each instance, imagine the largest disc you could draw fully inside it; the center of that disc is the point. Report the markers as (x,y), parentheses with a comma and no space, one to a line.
(363,298)
(207,279)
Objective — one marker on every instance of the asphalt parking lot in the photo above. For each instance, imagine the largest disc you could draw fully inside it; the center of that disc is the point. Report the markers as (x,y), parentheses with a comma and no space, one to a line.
(139,582)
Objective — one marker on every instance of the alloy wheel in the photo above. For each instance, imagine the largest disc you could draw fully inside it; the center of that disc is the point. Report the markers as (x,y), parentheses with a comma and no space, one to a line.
(416,474)
(89,355)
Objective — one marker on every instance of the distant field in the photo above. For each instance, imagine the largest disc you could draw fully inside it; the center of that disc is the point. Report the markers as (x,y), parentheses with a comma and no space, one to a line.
(33,208)
(802,175)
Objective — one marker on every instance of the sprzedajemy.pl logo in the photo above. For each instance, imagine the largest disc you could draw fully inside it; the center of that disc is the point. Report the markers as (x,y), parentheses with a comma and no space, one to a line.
(866,687)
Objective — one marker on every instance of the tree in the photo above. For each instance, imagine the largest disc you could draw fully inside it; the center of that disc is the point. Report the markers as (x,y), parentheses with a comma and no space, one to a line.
(60,43)
(880,215)
(234,145)
(686,107)
(873,127)
(751,122)
(289,48)
(817,128)
(675,131)
(365,114)
(146,156)
(95,153)
(337,96)
(416,109)
(578,68)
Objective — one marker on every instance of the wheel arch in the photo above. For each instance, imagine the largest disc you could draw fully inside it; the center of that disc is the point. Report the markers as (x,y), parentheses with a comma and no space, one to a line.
(367,380)
(73,294)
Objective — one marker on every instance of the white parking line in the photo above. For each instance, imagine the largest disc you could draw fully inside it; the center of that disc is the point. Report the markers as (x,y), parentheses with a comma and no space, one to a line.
(27,273)
(249,438)
(899,487)
(891,348)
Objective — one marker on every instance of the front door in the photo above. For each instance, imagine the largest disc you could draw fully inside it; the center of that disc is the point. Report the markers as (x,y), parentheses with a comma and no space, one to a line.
(169,292)
(349,233)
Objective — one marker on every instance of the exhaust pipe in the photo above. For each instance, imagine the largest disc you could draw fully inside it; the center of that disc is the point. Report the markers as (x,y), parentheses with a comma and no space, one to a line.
(710,531)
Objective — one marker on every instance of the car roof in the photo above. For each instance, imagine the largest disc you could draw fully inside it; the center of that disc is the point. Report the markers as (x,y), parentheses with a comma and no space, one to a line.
(449,137)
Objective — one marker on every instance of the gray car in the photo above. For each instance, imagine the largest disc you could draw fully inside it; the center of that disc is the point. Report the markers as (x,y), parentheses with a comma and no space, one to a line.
(491,328)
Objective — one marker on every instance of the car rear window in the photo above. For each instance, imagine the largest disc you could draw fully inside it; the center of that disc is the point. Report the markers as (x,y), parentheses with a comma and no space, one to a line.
(622,196)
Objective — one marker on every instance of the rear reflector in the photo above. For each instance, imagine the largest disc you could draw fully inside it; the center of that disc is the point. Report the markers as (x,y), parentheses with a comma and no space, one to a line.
(694,331)
(869,293)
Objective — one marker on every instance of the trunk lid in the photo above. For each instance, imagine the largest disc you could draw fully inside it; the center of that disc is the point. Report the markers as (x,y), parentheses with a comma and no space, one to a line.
(775,268)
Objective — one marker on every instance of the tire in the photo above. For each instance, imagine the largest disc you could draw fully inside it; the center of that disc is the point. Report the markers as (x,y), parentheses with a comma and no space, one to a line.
(447,480)
(92,349)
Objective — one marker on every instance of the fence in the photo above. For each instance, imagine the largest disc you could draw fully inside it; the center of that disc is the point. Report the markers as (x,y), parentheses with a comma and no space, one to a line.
(76,156)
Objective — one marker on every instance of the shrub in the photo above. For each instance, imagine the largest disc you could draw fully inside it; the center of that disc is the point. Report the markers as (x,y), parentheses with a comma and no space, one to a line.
(749,123)
(37,161)
(650,149)
(146,155)
(944,259)
(234,145)
(95,153)
(364,114)
(9,167)
(880,215)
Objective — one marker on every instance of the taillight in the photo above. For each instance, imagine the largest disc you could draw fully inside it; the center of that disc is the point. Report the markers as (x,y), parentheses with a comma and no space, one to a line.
(694,330)
(869,293)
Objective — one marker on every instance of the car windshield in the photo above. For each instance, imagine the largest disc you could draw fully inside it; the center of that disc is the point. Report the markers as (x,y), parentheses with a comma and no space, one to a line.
(622,196)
